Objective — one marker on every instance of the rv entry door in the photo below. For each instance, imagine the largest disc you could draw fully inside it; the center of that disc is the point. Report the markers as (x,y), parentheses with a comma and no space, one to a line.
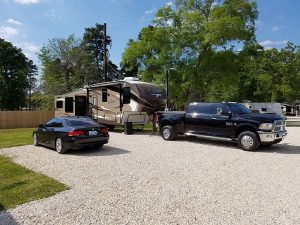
(80,105)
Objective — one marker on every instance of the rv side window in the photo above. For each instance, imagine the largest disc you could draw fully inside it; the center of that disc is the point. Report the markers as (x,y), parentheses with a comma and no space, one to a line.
(59,104)
(104,95)
(126,95)
(94,101)
(69,104)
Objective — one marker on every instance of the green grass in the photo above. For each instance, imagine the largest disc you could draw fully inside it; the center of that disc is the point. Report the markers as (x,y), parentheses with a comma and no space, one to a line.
(20,185)
(15,137)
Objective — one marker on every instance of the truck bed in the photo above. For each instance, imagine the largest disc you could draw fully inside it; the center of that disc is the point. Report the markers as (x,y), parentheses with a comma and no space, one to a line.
(171,112)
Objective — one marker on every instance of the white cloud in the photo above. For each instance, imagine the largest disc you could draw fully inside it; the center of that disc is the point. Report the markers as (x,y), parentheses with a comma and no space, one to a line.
(149,11)
(27,2)
(269,43)
(169,4)
(170,22)
(276,28)
(30,47)
(52,15)
(13,21)
(8,32)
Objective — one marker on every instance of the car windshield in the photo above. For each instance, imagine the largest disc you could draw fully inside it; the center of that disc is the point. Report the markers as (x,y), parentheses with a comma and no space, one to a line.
(238,108)
(78,122)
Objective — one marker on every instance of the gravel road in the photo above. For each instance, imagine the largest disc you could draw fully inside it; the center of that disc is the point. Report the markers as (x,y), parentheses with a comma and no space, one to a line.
(139,179)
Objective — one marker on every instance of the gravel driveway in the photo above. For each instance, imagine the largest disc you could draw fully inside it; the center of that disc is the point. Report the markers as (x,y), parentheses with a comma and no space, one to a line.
(139,179)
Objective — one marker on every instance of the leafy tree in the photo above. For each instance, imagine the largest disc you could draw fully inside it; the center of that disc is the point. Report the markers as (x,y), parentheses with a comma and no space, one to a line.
(70,63)
(15,70)
(93,44)
(269,75)
(196,39)
(42,101)
(32,73)
(290,62)
(63,67)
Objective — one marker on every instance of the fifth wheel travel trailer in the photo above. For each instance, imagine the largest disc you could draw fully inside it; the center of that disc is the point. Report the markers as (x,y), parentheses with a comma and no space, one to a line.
(264,107)
(113,103)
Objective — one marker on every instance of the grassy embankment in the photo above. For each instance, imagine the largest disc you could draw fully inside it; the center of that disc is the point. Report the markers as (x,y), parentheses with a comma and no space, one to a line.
(15,137)
(20,185)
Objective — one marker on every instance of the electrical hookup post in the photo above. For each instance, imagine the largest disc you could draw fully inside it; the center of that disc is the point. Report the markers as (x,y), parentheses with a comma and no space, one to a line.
(155,123)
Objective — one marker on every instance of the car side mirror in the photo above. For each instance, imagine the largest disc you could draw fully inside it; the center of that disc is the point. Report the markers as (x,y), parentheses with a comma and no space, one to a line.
(41,125)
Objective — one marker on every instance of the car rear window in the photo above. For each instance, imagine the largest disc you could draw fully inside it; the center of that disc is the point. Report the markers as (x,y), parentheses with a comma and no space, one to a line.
(76,122)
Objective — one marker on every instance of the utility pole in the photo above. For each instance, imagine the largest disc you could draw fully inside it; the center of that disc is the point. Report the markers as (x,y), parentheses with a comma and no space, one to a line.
(105,54)
(167,89)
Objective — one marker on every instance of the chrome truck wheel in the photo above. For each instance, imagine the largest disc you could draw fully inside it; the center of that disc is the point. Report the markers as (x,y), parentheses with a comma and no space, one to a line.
(248,141)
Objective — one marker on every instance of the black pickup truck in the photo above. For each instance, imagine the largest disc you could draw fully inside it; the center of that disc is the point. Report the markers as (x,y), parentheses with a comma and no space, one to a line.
(231,121)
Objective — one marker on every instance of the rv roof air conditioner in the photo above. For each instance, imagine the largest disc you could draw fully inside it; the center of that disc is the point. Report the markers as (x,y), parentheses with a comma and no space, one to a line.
(131,79)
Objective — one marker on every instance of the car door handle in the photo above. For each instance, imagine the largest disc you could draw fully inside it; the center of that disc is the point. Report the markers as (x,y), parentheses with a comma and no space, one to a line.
(213,118)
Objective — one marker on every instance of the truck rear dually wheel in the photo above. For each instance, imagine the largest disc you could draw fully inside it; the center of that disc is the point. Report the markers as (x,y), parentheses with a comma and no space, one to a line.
(248,141)
(168,133)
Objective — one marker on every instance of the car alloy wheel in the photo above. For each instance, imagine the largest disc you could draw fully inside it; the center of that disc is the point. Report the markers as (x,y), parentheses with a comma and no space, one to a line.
(35,140)
(59,145)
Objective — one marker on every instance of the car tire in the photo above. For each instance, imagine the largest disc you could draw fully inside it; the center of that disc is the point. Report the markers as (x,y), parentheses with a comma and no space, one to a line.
(35,139)
(110,127)
(59,146)
(168,133)
(248,141)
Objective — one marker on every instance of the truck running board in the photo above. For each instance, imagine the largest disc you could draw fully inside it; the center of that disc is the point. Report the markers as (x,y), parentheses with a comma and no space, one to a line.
(209,137)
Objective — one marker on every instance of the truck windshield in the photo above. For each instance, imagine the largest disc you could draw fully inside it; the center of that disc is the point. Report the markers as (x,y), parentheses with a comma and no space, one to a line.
(238,108)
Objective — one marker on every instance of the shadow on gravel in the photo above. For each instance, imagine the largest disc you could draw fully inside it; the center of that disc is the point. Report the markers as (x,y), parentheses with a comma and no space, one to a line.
(284,148)
(207,141)
(6,218)
(105,151)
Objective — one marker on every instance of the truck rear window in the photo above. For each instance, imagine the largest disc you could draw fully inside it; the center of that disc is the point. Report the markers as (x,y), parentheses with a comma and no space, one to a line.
(204,108)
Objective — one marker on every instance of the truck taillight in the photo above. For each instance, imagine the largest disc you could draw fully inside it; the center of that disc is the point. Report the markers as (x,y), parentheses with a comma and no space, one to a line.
(104,130)
(75,133)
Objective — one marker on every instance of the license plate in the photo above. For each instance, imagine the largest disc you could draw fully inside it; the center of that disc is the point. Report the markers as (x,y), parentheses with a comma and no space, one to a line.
(92,133)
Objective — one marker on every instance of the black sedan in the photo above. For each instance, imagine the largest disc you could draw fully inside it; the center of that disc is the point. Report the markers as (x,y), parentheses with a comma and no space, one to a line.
(70,132)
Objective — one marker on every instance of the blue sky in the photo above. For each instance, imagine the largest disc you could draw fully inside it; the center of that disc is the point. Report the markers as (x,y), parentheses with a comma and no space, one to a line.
(29,24)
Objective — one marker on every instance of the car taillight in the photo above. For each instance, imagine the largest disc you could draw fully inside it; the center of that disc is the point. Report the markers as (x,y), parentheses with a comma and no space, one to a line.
(75,133)
(104,130)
